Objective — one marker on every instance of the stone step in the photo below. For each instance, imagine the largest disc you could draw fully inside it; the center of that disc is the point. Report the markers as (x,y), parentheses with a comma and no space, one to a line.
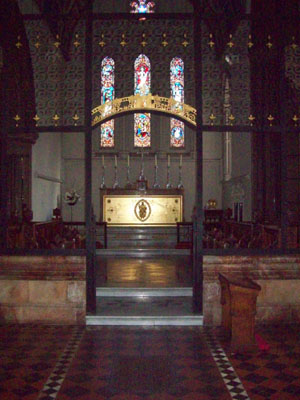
(144,292)
(145,310)
(141,237)
(188,320)
(142,252)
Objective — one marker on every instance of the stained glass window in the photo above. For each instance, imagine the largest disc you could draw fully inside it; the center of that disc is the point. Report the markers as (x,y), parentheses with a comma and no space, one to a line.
(107,95)
(142,84)
(177,93)
(142,6)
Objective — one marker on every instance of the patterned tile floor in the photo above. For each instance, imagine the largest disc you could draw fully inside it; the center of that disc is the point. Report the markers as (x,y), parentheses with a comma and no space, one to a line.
(165,363)
(272,374)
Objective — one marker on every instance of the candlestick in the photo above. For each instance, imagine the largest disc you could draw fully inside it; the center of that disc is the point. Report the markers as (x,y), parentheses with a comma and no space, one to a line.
(155,159)
(103,186)
(116,183)
(180,162)
(116,161)
(141,177)
(180,184)
(168,185)
(168,160)
(103,160)
(128,184)
(156,184)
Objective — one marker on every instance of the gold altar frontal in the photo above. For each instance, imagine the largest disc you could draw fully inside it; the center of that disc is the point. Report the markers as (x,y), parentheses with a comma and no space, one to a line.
(135,208)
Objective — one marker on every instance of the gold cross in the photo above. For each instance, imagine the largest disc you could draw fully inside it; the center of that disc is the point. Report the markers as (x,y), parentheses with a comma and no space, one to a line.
(57,42)
(102,43)
(212,118)
(19,44)
(76,43)
(17,119)
(211,43)
(164,42)
(270,119)
(269,43)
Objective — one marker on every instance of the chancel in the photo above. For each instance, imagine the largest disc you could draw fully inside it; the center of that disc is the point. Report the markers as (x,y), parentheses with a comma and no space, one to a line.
(150,149)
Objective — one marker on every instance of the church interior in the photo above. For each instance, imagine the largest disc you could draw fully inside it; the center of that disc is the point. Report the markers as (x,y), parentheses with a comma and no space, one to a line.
(149,199)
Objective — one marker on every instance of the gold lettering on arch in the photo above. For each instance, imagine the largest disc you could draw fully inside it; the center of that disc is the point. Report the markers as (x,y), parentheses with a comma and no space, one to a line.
(144,103)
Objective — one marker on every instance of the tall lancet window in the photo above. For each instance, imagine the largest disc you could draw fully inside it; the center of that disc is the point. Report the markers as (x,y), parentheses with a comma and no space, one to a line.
(142,6)
(107,95)
(177,93)
(142,84)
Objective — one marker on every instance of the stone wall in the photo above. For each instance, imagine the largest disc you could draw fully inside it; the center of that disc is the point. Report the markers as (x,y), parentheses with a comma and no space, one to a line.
(279,278)
(42,289)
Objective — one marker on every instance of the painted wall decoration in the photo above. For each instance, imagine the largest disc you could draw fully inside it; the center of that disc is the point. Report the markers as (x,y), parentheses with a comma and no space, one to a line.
(177,93)
(59,84)
(107,135)
(142,84)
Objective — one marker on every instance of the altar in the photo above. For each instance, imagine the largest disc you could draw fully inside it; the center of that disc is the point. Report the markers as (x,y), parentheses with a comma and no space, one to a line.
(132,207)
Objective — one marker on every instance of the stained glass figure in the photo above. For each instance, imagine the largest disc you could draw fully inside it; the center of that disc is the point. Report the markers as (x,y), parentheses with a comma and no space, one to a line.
(107,95)
(142,136)
(142,6)
(142,84)
(177,93)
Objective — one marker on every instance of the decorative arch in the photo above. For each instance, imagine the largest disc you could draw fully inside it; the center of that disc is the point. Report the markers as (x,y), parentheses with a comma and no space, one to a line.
(142,86)
(177,93)
(149,103)
(107,135)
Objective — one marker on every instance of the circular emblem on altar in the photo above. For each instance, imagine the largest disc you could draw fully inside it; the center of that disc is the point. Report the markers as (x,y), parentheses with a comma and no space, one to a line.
(142,210)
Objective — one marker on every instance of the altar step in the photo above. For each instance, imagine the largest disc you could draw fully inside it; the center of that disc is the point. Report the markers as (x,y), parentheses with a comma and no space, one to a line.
(145,307)
(144,292)
(142,252)
(193,320)
(142,237)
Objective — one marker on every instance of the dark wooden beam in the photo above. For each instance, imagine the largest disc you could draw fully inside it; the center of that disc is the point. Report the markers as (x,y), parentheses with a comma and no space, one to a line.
(198,222)
(90,239)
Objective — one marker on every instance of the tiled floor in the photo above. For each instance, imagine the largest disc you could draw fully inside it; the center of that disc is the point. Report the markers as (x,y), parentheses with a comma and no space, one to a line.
(273,374)
(169,363)
(144,272)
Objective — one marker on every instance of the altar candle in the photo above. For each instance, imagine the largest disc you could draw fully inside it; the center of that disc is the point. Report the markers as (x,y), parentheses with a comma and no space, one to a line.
(128,160)
(168,160)
(180,163)
(116,161)
(155,160)
(102,160)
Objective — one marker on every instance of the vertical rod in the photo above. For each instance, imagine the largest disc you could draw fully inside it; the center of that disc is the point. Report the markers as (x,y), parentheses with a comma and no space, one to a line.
(3,163)
(90,236)
(198,222)
(283,142)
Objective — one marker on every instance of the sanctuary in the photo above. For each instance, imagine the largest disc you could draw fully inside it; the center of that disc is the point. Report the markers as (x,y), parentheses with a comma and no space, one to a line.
(148,129)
